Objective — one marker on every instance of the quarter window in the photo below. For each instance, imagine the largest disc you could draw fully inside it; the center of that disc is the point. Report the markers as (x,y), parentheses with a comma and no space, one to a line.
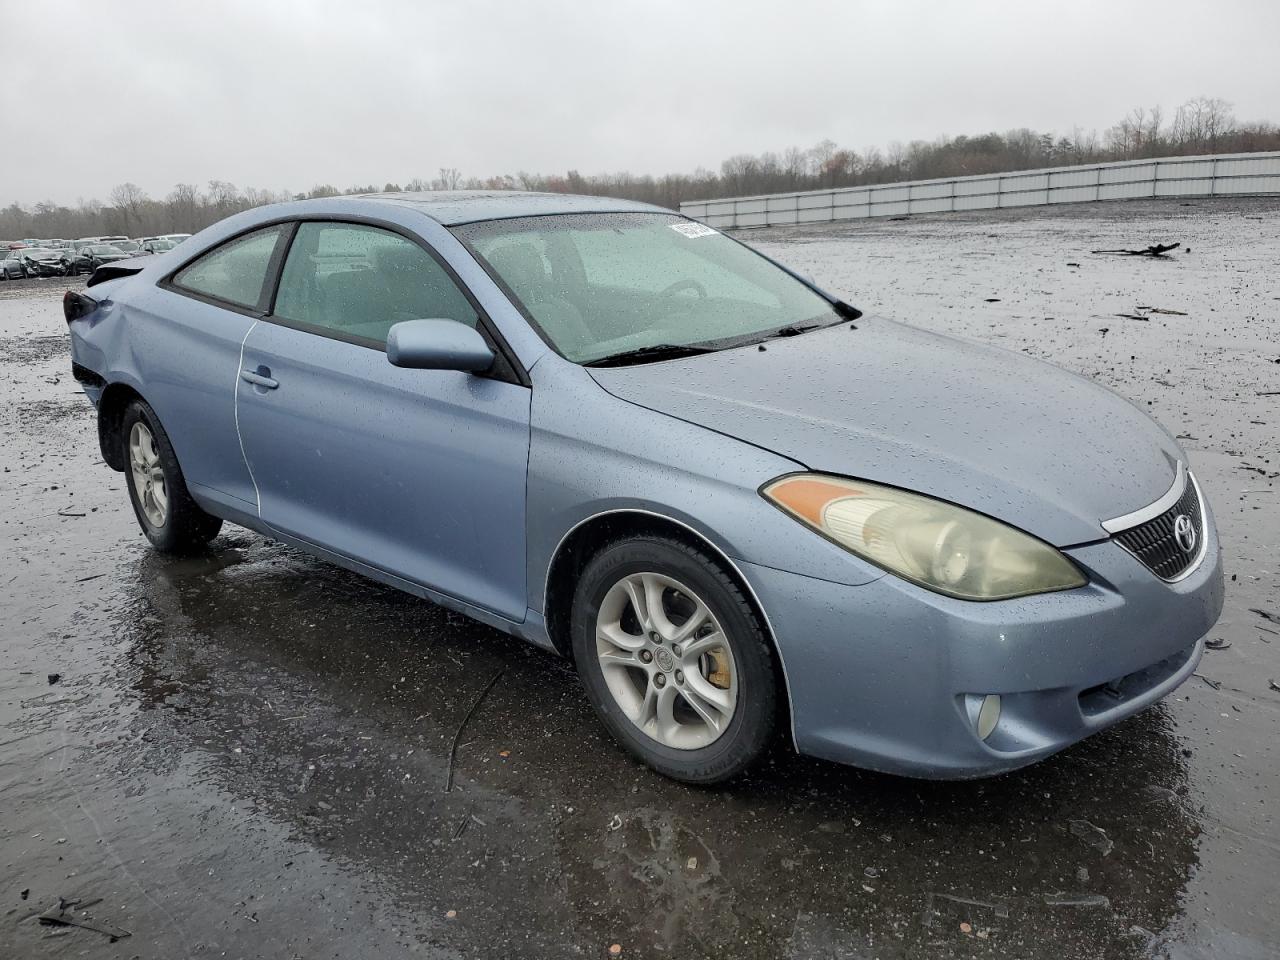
(356,282)
(235,272)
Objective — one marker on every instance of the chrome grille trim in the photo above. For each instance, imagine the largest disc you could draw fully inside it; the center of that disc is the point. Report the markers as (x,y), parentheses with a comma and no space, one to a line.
(1150,542)
(1151,510)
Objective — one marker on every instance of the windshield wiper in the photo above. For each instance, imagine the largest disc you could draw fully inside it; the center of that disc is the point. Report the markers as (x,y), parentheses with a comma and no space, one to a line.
(794,329)
(650,354)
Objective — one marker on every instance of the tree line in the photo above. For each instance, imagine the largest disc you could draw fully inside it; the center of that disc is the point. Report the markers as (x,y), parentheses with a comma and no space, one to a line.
(1201,125)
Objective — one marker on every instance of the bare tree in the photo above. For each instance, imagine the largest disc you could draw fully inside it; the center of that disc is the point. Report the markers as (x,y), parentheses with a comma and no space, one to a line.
(1201,125)
(820,155)
(1201,122)
(128,198)
(223,195)
(183,201)
(795,163)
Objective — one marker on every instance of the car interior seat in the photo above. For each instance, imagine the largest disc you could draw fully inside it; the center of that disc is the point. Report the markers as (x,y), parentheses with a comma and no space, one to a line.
(524,269)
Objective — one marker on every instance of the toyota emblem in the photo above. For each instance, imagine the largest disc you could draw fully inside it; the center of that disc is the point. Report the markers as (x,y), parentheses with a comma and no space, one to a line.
(1184,533)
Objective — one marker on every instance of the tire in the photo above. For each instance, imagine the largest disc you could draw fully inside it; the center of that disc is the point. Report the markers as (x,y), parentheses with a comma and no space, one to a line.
(739,671)
(169,518)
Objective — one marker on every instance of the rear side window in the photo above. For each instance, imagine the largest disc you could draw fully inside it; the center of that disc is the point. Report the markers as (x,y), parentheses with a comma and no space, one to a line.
(235,272)
(355,282)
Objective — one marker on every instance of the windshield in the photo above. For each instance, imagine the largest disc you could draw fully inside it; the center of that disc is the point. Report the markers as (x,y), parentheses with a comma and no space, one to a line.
(104,248)
(602,284)
(126,245)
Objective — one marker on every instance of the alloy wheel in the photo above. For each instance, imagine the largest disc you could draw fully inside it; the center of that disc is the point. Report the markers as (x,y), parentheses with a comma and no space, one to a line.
(148,475)
(666,661)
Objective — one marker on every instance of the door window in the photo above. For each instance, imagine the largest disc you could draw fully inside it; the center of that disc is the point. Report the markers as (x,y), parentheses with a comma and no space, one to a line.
(354,282)
(235,272)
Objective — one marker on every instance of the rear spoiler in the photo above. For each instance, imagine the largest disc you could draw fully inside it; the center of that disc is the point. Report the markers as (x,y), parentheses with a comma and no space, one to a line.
(118,269)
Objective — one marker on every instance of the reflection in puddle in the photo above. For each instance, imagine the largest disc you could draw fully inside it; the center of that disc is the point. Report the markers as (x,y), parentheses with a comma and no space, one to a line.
(332,703)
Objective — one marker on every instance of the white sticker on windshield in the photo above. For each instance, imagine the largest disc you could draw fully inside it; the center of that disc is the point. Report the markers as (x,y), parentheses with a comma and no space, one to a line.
(691,230)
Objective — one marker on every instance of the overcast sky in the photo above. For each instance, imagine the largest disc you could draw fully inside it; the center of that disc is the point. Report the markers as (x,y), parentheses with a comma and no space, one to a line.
(277,94)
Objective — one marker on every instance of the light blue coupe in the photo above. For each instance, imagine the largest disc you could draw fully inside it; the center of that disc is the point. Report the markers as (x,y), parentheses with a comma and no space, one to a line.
(738,505)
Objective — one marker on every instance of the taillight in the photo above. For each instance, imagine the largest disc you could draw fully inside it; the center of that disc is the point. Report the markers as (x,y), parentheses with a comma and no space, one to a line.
(77,305)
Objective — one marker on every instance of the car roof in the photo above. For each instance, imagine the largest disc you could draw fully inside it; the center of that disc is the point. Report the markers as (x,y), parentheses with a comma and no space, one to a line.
(453,207)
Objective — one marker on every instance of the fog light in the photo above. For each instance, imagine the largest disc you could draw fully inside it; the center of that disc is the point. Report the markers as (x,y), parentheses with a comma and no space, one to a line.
(988,715)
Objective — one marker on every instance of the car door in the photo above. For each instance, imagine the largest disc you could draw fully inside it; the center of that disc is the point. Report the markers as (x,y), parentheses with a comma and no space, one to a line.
(419,473)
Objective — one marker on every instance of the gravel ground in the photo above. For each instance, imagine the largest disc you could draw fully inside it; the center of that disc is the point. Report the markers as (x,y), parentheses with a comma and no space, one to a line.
(245,753)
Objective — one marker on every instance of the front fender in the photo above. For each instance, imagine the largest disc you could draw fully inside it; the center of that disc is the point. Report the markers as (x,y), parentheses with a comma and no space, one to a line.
(592,453)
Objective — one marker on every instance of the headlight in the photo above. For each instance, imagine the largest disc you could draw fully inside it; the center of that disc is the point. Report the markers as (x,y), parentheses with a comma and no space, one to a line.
(937,545)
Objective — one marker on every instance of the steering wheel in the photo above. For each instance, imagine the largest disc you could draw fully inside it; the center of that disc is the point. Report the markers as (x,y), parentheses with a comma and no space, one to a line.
(686,284)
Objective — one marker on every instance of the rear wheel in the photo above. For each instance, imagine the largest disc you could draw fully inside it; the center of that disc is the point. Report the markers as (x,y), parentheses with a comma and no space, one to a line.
(169,517)
(674,659)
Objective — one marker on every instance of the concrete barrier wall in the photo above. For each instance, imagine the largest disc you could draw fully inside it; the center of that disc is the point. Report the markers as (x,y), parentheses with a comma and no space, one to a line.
(1235,174)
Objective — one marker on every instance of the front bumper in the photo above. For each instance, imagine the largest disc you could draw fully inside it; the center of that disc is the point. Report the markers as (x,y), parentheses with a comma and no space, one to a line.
(47,270)
(885,675)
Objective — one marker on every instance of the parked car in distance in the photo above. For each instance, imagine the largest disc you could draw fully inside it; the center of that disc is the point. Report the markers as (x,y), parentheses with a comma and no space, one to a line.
(158,245)
(44,262)
(12,267)
(22,262)
(736,503)
(89,258)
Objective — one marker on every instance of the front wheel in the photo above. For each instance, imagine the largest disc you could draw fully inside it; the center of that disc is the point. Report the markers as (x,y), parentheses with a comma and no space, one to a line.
(169,517)
(674,659)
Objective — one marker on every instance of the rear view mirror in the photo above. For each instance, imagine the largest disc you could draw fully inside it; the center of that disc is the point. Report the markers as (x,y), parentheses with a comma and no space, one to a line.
(438,345)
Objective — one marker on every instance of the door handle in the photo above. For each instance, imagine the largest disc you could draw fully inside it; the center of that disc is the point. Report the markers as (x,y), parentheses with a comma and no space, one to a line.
(258,379)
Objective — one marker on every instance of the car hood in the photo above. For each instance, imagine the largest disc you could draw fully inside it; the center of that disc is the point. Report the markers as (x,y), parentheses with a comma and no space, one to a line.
(1018,439)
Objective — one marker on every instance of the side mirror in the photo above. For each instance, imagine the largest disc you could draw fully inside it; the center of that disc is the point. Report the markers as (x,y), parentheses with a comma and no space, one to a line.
(438,345)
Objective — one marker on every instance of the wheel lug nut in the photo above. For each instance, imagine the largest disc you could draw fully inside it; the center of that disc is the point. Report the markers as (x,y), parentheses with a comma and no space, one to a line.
(660,680)
(645,656)
(675,648)
(679,676)
(654,637)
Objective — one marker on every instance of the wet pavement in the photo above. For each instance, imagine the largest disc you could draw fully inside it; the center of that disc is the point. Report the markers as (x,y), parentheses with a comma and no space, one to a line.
(246,754)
